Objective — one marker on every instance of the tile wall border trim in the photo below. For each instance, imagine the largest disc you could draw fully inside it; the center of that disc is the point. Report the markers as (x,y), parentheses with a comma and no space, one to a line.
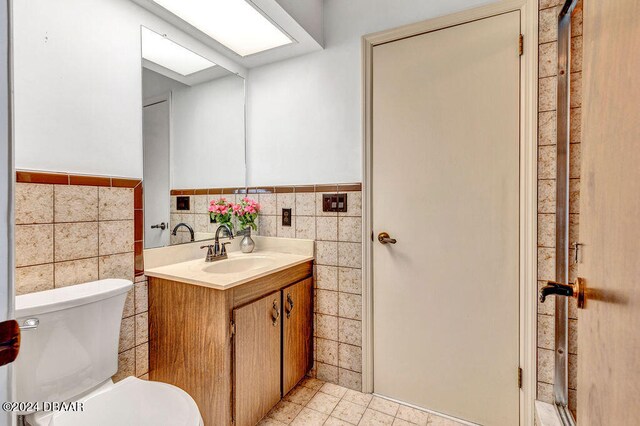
(283,189)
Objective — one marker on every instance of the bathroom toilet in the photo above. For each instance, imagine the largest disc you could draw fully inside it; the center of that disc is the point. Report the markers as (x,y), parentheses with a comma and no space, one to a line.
(71,354)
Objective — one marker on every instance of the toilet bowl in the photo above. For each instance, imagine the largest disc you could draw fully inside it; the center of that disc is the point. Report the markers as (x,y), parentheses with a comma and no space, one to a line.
(72,354)
(131,401)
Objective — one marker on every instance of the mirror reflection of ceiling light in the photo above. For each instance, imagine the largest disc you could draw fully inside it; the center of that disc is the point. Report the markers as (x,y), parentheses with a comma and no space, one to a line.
(168,54)
(233,23)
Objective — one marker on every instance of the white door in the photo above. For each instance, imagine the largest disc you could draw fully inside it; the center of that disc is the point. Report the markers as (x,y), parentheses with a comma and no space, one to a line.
(156,177)
(7,174)
(446,186)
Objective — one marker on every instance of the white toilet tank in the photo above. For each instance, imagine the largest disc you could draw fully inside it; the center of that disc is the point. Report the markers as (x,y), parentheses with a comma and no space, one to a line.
(75,345)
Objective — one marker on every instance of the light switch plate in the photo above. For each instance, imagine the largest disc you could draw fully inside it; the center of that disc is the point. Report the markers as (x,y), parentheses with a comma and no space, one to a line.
(334,202)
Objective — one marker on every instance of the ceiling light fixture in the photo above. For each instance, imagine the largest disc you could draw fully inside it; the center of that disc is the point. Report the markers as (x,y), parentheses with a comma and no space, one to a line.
(234,23)
(169,54)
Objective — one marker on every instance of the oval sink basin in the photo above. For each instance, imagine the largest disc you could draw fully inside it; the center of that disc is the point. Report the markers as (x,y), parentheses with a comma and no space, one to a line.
(238,264)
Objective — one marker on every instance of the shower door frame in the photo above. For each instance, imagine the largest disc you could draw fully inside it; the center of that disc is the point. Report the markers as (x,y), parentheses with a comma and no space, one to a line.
(528,184)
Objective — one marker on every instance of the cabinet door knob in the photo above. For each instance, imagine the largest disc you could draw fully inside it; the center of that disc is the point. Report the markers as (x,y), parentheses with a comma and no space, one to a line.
(289,307)
(276,313)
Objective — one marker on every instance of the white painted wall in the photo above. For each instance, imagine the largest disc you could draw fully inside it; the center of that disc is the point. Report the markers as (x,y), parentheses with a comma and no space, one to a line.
(207,141)
(304,114)
(78,95)
(78,91)
(308,14)
(77,98)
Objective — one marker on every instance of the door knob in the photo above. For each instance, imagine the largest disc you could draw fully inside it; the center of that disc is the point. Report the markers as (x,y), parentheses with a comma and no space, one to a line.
(575,290)
(384,238)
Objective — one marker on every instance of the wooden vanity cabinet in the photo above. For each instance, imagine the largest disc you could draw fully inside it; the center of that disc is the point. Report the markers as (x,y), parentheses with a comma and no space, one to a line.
(297,324)
(235,351)
(257,362)
(272,349)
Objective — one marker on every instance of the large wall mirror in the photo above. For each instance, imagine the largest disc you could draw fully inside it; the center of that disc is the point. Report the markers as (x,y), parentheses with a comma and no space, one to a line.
(108,88)
(193,113)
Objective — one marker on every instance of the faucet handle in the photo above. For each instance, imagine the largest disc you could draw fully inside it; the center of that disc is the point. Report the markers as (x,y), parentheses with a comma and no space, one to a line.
(223,250)
(210,252)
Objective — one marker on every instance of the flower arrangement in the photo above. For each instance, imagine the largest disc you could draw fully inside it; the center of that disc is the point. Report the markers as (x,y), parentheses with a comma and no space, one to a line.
(247,212)
(220,211)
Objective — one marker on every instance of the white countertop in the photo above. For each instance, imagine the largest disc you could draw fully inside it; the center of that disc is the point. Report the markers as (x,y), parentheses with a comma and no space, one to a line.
(186,262)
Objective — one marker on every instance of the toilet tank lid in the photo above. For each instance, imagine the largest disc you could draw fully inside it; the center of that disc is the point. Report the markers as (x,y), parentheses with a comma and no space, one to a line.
(68,297)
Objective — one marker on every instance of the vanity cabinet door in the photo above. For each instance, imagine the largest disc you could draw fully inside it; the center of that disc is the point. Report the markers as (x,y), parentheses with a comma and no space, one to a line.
(297,333)
(257,345)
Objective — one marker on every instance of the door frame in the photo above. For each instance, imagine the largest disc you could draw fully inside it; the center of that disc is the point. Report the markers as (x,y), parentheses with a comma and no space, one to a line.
(7,183)
(528,183)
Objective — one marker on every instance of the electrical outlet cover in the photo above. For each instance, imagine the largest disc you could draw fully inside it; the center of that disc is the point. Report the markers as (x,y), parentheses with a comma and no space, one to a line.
(286,217)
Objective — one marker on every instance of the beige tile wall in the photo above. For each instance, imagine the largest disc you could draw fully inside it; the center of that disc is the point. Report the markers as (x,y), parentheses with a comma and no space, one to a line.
(338,276)
(71,234)
(548,62)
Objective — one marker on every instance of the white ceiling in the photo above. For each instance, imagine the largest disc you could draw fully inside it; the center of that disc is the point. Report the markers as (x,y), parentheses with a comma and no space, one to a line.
(301,20)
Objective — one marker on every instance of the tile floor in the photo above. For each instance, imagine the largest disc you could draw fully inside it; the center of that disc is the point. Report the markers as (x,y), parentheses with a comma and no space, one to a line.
(314,402)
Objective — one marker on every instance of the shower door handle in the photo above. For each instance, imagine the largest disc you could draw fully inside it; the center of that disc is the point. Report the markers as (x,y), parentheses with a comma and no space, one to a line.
(575,290)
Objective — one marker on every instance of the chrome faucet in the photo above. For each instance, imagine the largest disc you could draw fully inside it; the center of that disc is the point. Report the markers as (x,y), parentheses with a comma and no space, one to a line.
(217,251)
(175,230)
